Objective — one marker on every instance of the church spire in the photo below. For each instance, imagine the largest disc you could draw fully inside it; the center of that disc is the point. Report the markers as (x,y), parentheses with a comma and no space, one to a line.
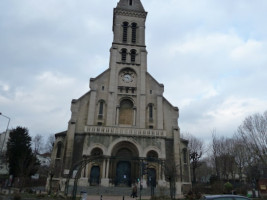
(133,5)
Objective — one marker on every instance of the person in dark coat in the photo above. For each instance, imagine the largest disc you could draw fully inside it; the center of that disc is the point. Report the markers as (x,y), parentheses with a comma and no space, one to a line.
(134,191)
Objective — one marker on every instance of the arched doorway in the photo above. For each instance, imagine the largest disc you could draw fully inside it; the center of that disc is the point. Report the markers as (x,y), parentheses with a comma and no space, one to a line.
(94,178)
(94,175)
(125,168)
(151,177)
(152,172)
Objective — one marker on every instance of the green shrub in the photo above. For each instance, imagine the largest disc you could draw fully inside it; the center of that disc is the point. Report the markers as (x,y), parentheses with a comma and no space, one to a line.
(228,187)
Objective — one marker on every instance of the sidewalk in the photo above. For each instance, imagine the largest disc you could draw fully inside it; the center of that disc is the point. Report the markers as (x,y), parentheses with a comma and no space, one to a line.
(89,197)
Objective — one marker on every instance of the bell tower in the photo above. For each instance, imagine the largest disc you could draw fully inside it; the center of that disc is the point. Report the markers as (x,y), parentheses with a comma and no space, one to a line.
(128,62)
(129,23)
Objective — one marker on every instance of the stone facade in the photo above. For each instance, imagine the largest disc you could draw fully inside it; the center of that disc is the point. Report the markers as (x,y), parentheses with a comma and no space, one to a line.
(3,142)
(124,115)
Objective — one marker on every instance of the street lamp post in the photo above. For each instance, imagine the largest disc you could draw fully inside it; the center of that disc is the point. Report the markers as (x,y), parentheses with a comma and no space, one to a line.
(5,132)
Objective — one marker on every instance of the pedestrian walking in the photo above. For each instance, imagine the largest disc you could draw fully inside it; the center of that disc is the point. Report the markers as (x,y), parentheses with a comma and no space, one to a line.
(134,191)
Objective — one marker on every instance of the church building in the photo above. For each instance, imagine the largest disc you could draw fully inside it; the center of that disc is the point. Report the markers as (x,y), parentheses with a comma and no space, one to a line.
(125,118)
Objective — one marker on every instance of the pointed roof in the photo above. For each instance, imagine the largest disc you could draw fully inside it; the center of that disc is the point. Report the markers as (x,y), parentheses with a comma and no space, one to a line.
(133,5)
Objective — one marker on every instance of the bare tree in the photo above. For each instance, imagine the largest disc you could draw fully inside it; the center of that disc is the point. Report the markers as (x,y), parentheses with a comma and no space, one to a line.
(241,155)
(222,154)
(253,131)
(50,143)
(215,153)
(171,175)
(37,144)
(197,149)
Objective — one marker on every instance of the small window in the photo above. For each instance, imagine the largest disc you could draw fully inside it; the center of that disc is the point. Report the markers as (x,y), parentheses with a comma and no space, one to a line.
(150,111)
(150,91)
(134,25)
(125,30)
(151,127)
(101,108)
(130,2)
(103,88)
(123,55)
(133,55)
(99,123)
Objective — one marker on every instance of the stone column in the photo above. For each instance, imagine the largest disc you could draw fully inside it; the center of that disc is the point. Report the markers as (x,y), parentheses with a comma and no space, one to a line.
(142,112)
(117,115)
(104,169)
(70,144)
(134,116)
(176,135)
(162,181)
(91,110)
(105,179)
(159,113)
(107,169)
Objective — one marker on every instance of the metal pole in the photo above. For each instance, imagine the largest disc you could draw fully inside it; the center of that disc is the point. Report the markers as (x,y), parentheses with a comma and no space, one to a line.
(5,132)
(141,174)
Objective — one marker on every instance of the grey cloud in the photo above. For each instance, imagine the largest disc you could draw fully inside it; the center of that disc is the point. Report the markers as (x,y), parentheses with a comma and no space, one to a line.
(71,39)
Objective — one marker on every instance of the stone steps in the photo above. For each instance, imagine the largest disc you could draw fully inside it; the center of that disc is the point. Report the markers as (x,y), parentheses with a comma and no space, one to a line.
(117,191)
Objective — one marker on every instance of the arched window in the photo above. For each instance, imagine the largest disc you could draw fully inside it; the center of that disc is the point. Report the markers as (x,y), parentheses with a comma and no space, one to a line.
(123,55)
(134,26)
(59,149)
(101,110)
(133,55)
(126,112)
(150,112)
(125,30)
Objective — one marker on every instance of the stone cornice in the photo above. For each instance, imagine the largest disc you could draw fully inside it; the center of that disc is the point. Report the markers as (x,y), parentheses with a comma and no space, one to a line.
(127,44)
(130,13)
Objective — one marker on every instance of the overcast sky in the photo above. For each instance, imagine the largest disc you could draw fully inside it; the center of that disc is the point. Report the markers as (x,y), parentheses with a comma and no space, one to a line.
(211,56)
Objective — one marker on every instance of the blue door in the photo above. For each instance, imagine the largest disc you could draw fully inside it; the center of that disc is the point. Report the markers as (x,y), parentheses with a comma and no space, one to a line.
(151,177)
(94,175)
(123,173)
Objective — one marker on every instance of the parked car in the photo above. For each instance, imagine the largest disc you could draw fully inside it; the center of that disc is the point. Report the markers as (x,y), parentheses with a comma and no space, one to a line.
(224,197)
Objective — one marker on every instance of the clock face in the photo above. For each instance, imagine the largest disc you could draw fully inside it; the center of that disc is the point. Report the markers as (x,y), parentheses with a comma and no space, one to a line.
(127,78)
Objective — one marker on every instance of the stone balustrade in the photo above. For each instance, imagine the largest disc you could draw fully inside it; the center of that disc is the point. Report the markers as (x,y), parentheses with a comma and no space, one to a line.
(125,131)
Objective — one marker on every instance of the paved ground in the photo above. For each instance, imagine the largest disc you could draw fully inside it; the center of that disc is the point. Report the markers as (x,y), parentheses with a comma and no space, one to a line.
(115,198)
(90,197)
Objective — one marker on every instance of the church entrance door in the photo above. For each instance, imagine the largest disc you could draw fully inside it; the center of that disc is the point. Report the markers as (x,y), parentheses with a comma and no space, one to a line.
(151,176)
(123,173)
(94,175)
